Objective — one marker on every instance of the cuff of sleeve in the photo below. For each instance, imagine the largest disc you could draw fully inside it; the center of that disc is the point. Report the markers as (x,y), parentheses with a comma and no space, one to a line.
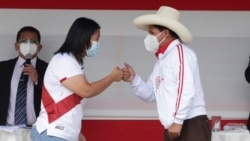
(178,121)
(135,81)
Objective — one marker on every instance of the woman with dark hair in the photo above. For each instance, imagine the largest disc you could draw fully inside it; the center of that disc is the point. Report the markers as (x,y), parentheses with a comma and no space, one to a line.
(65,84)
(247,76)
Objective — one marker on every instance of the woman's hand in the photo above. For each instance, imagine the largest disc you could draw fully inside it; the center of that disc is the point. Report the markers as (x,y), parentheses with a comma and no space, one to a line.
(117,74)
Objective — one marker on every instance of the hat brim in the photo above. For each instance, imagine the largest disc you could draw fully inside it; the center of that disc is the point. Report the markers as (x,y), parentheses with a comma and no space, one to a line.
(144,21)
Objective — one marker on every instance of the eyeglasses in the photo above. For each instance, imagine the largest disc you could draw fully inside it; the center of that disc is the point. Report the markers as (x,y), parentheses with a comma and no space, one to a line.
(28,41)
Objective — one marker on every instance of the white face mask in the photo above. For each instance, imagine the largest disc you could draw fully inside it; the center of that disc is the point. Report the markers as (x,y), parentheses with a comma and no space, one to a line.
(28,48)
(151,42)
(93,50)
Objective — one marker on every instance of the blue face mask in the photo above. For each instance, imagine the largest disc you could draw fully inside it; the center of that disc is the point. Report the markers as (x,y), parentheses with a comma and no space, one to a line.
(92,51)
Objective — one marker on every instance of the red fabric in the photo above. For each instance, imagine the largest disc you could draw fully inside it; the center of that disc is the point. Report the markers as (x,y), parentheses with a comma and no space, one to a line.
(56,110)
(128,130)
(63,79)
(162,49)
(122,130)
(181,77)
(127,5)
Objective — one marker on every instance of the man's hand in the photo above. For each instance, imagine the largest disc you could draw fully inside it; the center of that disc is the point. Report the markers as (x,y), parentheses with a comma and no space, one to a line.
(128,73)
(31,71)
(174,131)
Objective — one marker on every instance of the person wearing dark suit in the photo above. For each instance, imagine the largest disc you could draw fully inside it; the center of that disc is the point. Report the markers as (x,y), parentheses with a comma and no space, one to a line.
(28,46)
(247,76)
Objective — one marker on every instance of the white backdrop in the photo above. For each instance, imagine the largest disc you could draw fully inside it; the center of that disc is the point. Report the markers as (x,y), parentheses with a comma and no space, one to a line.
(221,41)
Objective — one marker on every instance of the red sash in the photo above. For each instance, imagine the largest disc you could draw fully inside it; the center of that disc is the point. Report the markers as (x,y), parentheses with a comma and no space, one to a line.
(56,110)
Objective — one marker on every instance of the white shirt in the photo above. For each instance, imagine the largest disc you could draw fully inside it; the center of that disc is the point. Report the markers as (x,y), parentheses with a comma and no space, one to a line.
(175,85)
(68,124)
(31,116)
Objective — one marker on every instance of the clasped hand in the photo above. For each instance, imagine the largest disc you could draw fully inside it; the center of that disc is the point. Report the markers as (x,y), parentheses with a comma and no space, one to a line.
(126,74)
(31,72)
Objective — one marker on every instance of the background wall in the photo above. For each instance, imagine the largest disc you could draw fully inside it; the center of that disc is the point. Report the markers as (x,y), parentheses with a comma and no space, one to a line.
(221,41)
(222,47)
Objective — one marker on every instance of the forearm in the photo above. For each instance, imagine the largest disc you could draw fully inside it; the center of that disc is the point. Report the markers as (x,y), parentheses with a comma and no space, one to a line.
(99,86)
(79,85)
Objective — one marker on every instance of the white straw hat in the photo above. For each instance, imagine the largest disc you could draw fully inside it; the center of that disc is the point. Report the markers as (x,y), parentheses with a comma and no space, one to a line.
(167,17)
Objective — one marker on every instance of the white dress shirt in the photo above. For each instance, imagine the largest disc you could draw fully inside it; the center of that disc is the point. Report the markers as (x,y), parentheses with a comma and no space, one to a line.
(31,116)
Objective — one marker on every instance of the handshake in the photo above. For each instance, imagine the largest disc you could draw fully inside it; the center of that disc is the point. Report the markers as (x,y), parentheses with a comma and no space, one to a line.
(126,74)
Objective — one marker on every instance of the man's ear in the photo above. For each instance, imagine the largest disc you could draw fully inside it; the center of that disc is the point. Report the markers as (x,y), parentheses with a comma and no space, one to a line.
(39,47)
(17,47)
(166,32)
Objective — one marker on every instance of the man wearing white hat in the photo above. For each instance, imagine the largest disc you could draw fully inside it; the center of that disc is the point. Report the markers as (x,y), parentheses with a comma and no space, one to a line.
(175,81)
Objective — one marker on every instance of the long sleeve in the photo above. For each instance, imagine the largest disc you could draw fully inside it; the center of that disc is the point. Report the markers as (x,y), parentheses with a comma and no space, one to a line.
(143,90)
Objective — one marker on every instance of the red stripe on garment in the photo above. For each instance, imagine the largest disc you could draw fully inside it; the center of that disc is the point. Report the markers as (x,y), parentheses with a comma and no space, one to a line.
(63,79)
(181,77)
(56,110)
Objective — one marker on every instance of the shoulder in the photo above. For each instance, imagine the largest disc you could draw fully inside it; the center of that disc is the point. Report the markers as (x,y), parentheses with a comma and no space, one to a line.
(9,62)
(182,50)
(41,64)
(189,52)
(63,61)
(64,58)
(187,49)
(42,61)
(8,65)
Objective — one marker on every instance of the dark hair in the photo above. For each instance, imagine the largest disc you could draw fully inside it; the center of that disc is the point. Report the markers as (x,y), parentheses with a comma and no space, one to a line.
(78,38)
(172,33)
(30,29)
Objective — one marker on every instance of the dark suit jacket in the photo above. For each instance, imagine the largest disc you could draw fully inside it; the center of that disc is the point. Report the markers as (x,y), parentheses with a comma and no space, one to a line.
(247,73)
(247,76)
(6,71)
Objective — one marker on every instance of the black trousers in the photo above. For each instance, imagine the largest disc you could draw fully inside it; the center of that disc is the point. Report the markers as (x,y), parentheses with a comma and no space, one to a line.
(195,129)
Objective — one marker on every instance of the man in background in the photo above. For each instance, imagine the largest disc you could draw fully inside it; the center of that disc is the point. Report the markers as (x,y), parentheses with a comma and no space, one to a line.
(30,67)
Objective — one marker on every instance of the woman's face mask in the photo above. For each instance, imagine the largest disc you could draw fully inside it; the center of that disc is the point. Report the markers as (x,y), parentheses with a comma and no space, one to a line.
(28,48)
(151,42)
(93,50)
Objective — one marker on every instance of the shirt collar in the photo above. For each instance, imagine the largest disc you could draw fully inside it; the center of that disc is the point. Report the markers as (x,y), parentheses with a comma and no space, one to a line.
(21,61)
(162,49)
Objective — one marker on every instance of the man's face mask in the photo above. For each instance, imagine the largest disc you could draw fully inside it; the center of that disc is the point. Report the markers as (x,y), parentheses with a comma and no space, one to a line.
(28,47)
(151,42)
